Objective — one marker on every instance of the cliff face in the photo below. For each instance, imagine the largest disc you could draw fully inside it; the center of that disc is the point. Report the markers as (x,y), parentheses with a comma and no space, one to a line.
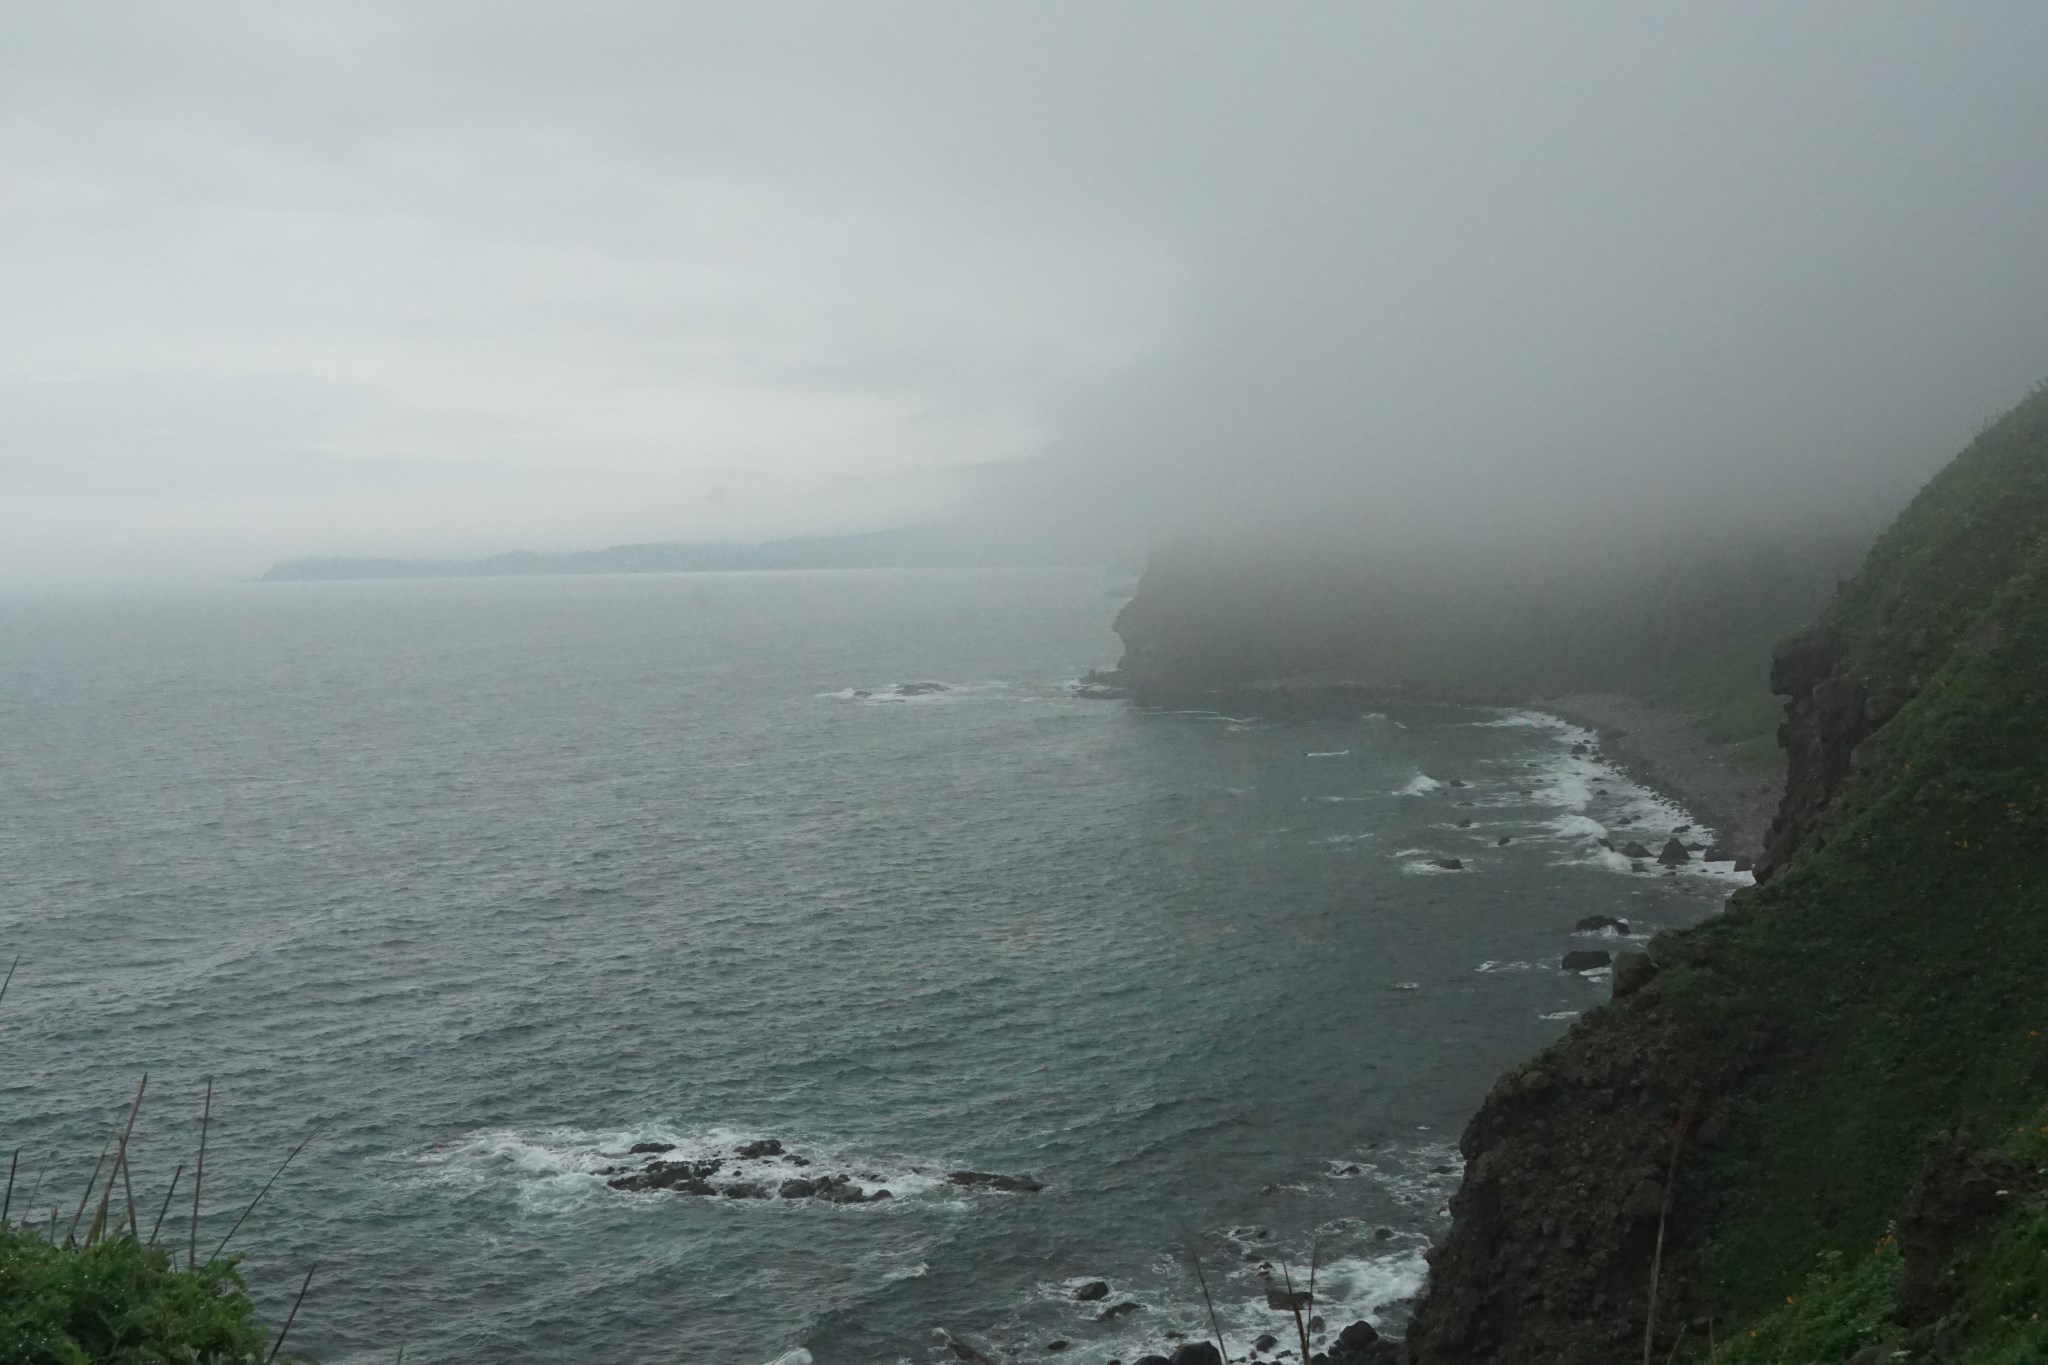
(1763,1091)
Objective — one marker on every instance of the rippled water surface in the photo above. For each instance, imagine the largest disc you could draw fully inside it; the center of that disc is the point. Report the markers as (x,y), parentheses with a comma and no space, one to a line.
(489,880)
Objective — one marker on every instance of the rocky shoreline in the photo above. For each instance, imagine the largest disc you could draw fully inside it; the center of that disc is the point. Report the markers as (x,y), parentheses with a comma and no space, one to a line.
(1661,747)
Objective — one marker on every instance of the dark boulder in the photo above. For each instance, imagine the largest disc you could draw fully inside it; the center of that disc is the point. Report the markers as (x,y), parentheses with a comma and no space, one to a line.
(1286,1301)
(1632,971)
(1645,1202)
(1093,1290)
(1632,849)
(1593,924)
(1011,1184)
(761,1148)
(798,1188)
(745,1189)
(644,1148)
(1151,1360)
(1718,853)
(1745,864)
(1673,853)
(1117,1310)
(1357,1336)
(1056,1345)
(1457,782)
(1266,1342)
(1196,1353)
(920,689)
(1586,959)
(1451,864)
(1683,829)
(1503,841)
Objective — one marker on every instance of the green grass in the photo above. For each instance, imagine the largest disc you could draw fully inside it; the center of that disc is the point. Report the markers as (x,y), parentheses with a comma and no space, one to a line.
(121,1303)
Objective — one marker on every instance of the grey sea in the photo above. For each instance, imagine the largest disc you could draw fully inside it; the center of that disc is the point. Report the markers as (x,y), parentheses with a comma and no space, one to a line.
(481,883)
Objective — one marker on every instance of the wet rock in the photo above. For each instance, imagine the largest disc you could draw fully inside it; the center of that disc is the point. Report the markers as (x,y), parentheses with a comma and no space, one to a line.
(1009,1184)
(1351,1170)
(1117,1310)
(1286,1301)
(1593,924)
(1586,959)
(1683,829)
(1606,843)
(745,1189)
(1056,1345)
(884,1193)
(1196,1353)
(1632,971)
(798,1188)
(643,1148)
(1745,864)
(1457,782)
(1633,849)
(1315,1324)
(1464,824)
(1357,1336)
(1503,841)
(685,1177)
(1152,1360)
(1266,1342)
(1718,853)
(920,689)
(1093,1290)
(1451,864)
(1672,854)
(764,1147)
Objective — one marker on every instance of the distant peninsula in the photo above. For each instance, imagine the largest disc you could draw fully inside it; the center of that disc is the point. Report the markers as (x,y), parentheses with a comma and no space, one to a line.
(914,547)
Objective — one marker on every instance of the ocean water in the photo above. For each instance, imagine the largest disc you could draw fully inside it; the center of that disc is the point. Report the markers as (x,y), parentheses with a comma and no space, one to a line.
(482,882)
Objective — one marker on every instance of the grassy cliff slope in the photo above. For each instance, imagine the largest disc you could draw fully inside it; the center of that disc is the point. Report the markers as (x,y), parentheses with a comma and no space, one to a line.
(1828,1105)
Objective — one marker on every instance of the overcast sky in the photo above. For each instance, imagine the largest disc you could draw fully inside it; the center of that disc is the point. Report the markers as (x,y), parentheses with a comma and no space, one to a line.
(427,279)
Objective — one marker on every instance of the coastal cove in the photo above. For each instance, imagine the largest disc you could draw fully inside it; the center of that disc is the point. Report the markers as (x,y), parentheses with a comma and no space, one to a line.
(726,863)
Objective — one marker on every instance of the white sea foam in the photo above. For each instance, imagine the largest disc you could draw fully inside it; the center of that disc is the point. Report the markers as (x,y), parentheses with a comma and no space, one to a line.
(1492,966)
(1329,753)
(923,693)
(1345,838)
(1560,1014)
(1428,867)
(797,1357)
(556,1168)
(1420,785)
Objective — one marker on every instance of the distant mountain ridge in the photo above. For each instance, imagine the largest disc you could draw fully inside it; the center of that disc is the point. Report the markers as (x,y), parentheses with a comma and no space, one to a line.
(911,547)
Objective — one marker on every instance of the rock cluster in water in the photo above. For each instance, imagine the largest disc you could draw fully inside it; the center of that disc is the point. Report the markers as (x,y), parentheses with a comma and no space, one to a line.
(702,1176)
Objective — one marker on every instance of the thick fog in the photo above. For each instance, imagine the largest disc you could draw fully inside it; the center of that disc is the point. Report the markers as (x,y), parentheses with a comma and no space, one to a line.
(438,280)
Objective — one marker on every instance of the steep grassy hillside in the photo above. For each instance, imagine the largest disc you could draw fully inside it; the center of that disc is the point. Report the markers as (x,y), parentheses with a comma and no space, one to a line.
(1830,1103)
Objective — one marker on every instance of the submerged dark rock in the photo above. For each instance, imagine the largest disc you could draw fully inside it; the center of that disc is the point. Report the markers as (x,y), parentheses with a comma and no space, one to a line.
(1593,924)
(1196,1353)
(1093,1290)
(1633,849)
(1586,959)
(1503,841)
(1451,864)
(1010,1184)
(763,1147)
(1286,1300)
(642,1148)
(1117,1310)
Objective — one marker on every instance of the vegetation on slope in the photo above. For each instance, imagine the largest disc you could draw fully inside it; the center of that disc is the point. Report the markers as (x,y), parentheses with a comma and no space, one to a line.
(119,1301)
(1829,1105)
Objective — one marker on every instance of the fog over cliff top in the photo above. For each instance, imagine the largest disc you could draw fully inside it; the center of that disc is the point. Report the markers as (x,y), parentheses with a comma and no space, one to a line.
(423,280)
